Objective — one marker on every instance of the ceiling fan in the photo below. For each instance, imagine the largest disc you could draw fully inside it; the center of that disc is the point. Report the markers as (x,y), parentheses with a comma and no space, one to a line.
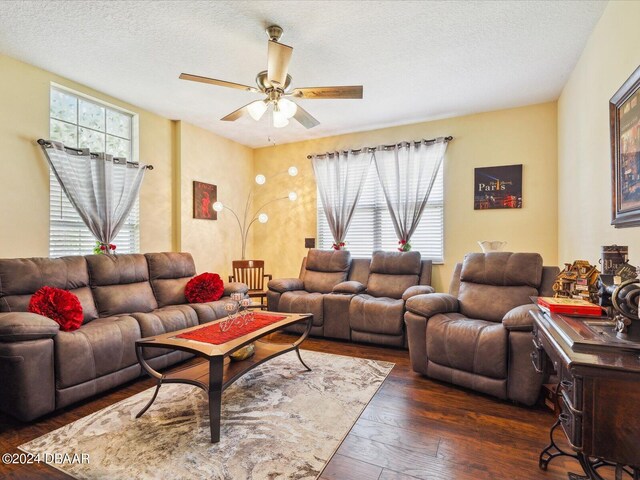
(274,83)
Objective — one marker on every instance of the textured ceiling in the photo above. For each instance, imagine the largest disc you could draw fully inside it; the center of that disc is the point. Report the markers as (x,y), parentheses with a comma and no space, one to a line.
(417,60)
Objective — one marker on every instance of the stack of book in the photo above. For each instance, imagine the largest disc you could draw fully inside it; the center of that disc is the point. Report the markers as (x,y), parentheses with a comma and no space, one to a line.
(569,306)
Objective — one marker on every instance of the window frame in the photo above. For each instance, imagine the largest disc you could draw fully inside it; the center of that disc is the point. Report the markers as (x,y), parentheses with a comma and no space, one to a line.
(134,151)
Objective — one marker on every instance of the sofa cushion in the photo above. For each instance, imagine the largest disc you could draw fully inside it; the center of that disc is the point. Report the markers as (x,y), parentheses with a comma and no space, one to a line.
(121,284)
(164,320)
(392,286)
(324,269)
(207,312)
(392,273)
(376,315)
(169,273)
(22,277)
(489,302)
(300,301)
(396,263)
(98,348)
(502,269)
(474,346)
(328,260)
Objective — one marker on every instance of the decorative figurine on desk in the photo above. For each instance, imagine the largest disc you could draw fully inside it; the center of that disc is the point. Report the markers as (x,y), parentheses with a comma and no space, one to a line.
(577,280)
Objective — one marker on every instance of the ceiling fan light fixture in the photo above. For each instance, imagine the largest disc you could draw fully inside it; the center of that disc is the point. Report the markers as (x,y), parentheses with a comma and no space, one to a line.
(256,109)
(279,118)
(287,107)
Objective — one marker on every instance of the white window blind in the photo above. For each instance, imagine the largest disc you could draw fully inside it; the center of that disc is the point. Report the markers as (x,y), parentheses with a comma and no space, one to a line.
(80,122)
(372,229)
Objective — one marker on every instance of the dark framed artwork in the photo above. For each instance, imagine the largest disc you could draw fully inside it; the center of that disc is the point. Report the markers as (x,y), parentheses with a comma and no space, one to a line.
(204,196)
(497,187)
(624,127)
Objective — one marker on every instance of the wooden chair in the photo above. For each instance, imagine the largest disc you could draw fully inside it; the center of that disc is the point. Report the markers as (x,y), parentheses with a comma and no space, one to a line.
(252,273)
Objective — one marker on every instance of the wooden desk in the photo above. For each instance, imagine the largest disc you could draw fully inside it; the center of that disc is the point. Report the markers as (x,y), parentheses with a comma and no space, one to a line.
(599,393)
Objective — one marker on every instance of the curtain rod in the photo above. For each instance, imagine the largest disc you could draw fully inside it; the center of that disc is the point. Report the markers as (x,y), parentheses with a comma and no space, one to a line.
(80,151)
(372,149)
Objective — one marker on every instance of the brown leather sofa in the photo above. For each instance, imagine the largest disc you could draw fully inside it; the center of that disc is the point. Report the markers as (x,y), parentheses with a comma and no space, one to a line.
(353,299)
(479,335)
(124,298)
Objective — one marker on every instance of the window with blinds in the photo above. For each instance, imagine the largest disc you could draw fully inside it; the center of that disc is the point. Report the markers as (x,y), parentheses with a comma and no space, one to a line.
(372,229)
(82,122)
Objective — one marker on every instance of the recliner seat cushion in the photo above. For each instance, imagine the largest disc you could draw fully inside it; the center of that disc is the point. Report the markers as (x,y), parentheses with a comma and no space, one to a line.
(489,302)
(474,346)
(324,269)
(393,272)
(164,320)
(98,348)
(120,284)
(376,315)
(300,301)
(169,273)
(20,278)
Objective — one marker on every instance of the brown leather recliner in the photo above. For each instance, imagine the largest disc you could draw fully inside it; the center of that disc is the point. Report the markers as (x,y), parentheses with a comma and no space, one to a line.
(376,314)
(357,299)
(479,335)
(322,271)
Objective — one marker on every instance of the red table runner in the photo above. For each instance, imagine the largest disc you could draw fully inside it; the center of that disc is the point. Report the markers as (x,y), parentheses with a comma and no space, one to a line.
(214,335)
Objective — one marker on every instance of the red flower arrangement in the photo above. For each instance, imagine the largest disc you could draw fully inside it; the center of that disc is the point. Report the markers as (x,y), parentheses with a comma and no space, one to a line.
(405,246)
(339,246)
(101,248)
(206,287)
(59,305)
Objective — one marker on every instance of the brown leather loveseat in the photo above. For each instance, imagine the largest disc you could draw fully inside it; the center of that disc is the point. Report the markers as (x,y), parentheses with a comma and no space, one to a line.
(357,299)
(479,335)
(124,298)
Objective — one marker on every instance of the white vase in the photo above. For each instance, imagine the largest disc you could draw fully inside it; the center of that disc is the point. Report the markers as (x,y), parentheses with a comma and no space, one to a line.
(491,245)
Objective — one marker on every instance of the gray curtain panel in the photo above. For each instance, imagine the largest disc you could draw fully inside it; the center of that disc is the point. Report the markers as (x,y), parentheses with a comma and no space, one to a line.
(340,177)
(102,189)
(407,172)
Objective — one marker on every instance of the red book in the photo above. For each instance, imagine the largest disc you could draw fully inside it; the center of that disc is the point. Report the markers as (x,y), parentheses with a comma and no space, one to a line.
(570,306)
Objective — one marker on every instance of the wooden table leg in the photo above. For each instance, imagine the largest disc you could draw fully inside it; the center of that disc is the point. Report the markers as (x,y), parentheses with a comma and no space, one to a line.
(216,365)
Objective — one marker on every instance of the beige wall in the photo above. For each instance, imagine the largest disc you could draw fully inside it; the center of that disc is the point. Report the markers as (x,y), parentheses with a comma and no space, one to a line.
(584,161)
(208,158)
(24,174)
(182,153)
(524,135)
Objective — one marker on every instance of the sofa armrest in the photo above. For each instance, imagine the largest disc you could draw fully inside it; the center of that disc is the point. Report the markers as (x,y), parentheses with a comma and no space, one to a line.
(519,319)
(417,290)
(23,326)
(431,304)
(351,287)
(235,287)
(282,285)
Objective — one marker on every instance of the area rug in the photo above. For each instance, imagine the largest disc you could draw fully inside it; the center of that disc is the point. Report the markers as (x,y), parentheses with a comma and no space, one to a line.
(278,422)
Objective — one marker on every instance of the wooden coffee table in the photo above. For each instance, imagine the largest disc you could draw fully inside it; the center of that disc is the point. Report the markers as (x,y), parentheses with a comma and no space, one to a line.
(218,372)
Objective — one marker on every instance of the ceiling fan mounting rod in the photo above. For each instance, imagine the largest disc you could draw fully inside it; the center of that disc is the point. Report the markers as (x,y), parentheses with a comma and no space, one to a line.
(274,32)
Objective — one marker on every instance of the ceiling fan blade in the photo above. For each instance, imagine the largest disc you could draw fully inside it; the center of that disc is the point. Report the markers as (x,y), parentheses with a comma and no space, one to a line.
(279,56)
(213,81)
(305,118)
(236,114)
(345,92)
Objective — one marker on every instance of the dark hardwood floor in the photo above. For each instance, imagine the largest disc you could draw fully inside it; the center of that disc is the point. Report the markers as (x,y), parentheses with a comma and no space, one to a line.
(413,428)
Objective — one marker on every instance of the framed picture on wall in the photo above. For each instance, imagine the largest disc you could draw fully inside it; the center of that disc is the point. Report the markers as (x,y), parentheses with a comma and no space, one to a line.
(204,196)
(498,187)
(624,126)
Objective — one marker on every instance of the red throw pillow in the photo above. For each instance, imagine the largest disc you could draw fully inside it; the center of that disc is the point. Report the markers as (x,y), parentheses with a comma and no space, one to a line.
(206,287)
(59,305)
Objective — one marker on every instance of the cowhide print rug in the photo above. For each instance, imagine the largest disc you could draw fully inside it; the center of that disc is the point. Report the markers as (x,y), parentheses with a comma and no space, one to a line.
(278,422)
